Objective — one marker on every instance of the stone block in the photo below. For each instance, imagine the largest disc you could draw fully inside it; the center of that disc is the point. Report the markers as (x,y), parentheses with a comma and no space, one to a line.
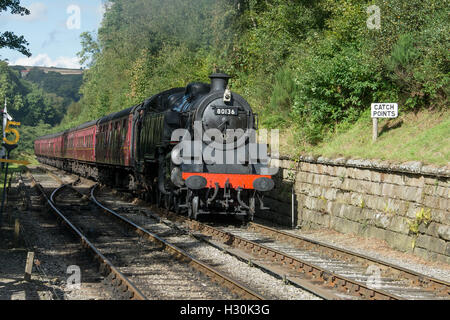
(431,243)
(368,215)
(387,189)
(334,182)
(302,188)
(344,225)
(418,181)
(310,178)
(304,166)
(353,213)
(413,194)
(398,207)
(431,202)
(428,255)
(399,241)
(399,224)
(353,185)
(374,202)
(431,229)
(375,176)
(330,193)
(355,199)
(437,191)
(440,182)
(443,231)
(330,170)
(341,172)
(413,209)
(443,258)
(443,204)
(374,188)
(321,169)
(382,220)
(301,177)
(441,216)
(334,208)
(316,217)
(392,178)
(374,232)
(363,174)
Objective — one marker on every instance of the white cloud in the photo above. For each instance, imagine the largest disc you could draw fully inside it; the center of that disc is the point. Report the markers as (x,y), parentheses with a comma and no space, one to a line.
(38,11)
(43,60)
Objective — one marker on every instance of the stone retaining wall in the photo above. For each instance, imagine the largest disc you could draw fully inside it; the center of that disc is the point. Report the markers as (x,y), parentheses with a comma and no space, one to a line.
(404,204)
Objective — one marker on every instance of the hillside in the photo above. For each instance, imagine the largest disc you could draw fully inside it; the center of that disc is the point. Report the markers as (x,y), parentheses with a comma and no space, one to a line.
(63,71)
(39,98)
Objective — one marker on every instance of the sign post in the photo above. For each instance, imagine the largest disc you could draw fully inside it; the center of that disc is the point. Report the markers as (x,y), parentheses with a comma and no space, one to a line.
(7,147)
(381,110)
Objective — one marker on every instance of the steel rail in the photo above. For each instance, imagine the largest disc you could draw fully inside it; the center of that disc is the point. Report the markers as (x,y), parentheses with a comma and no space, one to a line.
(432,284)
(106,267)
(314,272)
(182,255)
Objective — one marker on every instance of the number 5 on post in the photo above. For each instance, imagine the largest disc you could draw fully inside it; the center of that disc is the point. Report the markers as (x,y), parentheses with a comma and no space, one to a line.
(13,131)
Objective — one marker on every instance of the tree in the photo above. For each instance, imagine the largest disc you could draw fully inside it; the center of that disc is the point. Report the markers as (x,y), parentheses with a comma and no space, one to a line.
(90,49)
(9,39)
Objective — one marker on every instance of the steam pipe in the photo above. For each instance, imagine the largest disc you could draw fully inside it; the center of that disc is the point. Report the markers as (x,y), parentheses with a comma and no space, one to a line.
(216,191)
(240,200)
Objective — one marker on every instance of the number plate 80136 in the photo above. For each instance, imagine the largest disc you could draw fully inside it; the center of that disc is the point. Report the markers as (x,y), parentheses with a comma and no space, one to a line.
(227,111)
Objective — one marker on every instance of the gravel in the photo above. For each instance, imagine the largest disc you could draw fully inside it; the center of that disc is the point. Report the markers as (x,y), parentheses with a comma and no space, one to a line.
(378,249)
(264,283)
(54,251)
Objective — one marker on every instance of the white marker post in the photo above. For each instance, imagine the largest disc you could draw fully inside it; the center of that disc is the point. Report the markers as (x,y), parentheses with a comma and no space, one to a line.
(382,110)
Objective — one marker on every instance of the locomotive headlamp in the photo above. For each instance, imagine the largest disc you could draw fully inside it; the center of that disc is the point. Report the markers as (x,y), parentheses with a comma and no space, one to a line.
(227,96)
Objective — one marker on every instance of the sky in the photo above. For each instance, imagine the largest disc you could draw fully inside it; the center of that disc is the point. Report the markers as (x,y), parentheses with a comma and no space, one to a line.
(53,31)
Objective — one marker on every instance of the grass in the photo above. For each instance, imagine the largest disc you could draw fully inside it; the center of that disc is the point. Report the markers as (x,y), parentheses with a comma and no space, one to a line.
(422,136)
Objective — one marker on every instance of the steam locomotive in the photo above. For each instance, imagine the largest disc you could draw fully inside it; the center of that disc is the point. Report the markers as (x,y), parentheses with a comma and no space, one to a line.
(190,149)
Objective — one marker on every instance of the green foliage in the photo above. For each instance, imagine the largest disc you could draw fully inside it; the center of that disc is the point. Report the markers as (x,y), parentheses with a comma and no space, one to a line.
(37,104)
(29,133)
(147,46)
(66,86)
(340,89)
(30,102)
(9,39)
(310,66)
(422,216)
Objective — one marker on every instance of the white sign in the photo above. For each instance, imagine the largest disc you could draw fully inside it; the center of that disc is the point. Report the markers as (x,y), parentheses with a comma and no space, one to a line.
(384,110)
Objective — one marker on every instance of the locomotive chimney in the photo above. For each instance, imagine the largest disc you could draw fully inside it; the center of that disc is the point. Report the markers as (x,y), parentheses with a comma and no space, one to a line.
(219,81)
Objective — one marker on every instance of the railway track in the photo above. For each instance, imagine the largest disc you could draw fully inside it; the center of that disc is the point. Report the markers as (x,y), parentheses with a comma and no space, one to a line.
(139,269)
(305,262)
(258,280)
(326,271)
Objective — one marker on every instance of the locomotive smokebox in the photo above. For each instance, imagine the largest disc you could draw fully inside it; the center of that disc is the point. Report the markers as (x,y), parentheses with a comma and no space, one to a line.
(219,81)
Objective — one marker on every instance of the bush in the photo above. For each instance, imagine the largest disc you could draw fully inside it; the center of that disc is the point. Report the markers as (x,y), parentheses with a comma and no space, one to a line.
(333,89)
